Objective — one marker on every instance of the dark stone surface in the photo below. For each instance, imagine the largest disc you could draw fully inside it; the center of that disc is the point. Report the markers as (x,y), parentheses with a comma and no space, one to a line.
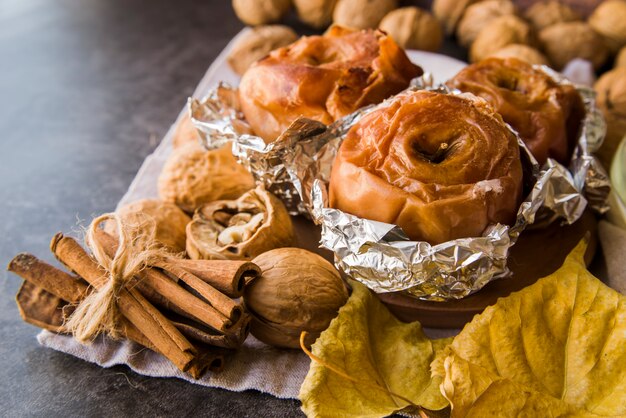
(88,88)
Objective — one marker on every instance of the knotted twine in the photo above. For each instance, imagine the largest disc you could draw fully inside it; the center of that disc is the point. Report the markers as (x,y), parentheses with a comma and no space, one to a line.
(136,249)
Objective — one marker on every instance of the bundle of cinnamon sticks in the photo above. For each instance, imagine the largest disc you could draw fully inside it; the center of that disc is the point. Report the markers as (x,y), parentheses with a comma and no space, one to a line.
(166,307)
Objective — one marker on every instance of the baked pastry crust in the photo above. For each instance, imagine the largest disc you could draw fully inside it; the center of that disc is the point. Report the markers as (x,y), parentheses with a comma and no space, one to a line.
(439,166)
(546,115)
(323,78)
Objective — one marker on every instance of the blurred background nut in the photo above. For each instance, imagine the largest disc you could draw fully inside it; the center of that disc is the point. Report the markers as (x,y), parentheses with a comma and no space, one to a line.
(521,52)
(315,13)
(478,15)
(500,32)
(413,28)
(609,20)
(449,12)
(563,42)
(547,13)
(257,43)
(261,12)
(193,176)
(611,98)
(620,61)
(297,291)
(167,219)
(185,133)
(362,14)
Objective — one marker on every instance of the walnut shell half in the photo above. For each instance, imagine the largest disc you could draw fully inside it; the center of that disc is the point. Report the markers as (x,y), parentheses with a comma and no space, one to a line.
(240,229)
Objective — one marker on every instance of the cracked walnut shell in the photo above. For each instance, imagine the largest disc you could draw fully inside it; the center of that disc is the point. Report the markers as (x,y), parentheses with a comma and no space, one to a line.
(240,229)
(193,176)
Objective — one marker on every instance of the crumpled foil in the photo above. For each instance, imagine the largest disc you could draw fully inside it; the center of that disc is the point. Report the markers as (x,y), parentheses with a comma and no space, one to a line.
(297,165)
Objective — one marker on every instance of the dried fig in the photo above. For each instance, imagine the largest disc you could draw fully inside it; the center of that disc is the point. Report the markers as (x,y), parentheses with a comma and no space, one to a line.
(315,13)
(261,12)
(565,41)
(547,13)
(297,291)
(193,176)
(611,98)
(169,221)
(609,20)
(362,14)
(500,32)
(240,229)
(478,15)
(413,28)
(521,52)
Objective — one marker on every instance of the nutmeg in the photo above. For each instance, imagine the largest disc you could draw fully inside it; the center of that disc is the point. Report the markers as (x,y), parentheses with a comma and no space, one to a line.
(563,42)
(413,28)
(297,291)
(185,133)
(260,12)
(547,13)
(167,219)
(315,13)
(521,52)
(257,43)
(193,176)
(239,229)
(500,32)
(620,61)
(478,15)
(611,98)
(449,12)
(609,20)
(362,14)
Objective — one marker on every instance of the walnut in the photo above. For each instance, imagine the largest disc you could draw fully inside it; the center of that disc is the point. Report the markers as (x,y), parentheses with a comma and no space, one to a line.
(500,32)
(192,177)
(611,98)
(609,20)
(239,229)
(169,221)
(478,15)
(315,13)
(362,14)
(185,133)
(449,12)
(620,61)
(413,28)
(261,12)
(257,43)
(563,42)
(297,291)
(547,13)
(521,52)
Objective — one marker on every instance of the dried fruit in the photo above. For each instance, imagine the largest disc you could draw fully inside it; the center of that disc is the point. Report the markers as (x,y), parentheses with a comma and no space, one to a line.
(478,15)
(362,14)
(261,12)
(315,13)
(297,291)
(239,229)
(611,99)
(609,20)
(414,28)
(500,32)
(547,13)
(257,43)
(449,12)
(565,41)
(167,219)
(193,176)
(521,52)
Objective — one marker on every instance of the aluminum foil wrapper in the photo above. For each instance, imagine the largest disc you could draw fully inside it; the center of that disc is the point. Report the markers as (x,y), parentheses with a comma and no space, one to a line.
(297,166)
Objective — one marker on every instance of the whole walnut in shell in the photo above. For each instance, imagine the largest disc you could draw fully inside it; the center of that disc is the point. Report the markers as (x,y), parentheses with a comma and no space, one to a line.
(315,13)
(620,61)
(193,176)
(609,20)
(261,12)
(611,98)
(297,291)
(547,13)
(185,133)
(478,15)
(413,28)
(500,32)
(257,43)
(167,219)
(449,12)
(239,229)
(362,14)
(521,52)
(563,42)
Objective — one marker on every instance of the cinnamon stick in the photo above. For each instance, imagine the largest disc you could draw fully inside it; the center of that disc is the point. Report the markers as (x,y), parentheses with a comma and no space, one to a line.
(40,308)
(149,321)
(227,276)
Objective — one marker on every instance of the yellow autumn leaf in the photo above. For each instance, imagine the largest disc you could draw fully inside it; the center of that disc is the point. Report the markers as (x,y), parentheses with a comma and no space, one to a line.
(556,348)
(371,346)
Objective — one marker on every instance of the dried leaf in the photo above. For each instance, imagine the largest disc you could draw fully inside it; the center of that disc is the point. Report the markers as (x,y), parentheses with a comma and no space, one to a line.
(556,348)
(370,345)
